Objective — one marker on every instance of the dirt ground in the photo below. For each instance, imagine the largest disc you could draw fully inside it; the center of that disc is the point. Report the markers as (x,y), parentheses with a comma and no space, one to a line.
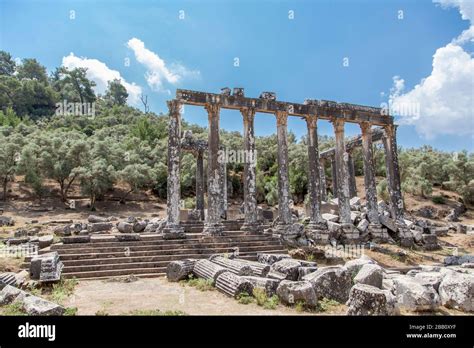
(114,298)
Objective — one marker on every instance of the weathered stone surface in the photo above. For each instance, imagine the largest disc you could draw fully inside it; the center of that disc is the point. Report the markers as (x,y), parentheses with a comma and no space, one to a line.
(76,239)
(6,221)
(430,242)
(332,282)
(208,270)
(46,267)
(414,295)
(232,265)
(127,237)
(292,292)
(179,270)
(370,274)
(302,271)
(45,241)
(458,260)
(268,284)
(8,278)
(9,294)
(271,258)
(37,306)
(99,227)
(232,284)
(284,269)
(388,223)
(354,266)
(330,217)
(258,269)
(432,278)
(363,225)
(457,291)
(369,300)
(139,226)
(95,219)
(125,227)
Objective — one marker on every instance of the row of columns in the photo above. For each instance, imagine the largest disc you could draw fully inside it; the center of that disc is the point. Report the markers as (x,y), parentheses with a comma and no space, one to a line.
(342,164)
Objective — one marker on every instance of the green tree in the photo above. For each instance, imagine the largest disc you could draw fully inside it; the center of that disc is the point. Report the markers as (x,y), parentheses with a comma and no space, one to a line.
(10,148)
(116,93)
(31,69)
(7,64)
(137,177)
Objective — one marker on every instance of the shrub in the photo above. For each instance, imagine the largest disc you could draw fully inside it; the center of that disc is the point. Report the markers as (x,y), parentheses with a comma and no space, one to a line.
(438,199)
(244,298)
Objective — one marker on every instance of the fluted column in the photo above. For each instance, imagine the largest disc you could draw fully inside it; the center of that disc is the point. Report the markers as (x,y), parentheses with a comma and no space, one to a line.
(284,211)
(200,183)
(351,173)
(223,184)
(322,176)
(173,228)
(213,225)
(342,173)
(334,177)
(393,173)
(250,175)
(314,182)
(369,173)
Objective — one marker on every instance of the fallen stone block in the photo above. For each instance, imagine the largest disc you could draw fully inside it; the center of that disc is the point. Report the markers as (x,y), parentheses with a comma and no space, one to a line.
(37,306)
(457,291)
(46,267)
(330,217)
(332,282)
(271,258)
(430,242)
(414,295)
(292,292)
(458,260)
(432,278)
(208,270)
(139,226)
(232,265)
(95,219)
(258,269)
(6,221)
(268,284)
(370,274)
(388,223)
(232,284)
(9,294)
(179,270)
(100,227)
(128,237)
(369,300)
(284,269)
(8,278)
(363,225)
(354,266)
(125,227)
(45,241)
(302,271)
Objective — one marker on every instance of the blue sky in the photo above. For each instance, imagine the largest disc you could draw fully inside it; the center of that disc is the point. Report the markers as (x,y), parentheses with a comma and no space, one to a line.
(296,58)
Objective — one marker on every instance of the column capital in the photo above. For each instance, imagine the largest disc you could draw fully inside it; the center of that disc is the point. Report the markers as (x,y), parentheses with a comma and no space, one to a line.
(174,106)
(338,124)
(366,127)
(390,130)
(312,121)
(248,113)
(213,108)
(282,117)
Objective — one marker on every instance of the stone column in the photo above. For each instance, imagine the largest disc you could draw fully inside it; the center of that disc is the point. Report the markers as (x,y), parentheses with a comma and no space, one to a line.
(223,184)
(393,173)
(322,176)
(284,211)
(317,227)
(343,182)
(250,175)
(173,229)
(335,187)
(200,183)
(351,172)
(376,230)
(213,225)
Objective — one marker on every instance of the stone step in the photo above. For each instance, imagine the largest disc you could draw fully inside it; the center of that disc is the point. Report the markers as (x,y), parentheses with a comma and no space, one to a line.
(166,247)
(149,241)
(107,258)
(139,272)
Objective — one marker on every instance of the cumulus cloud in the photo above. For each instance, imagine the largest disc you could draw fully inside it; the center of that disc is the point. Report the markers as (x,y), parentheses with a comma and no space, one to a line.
(443,102)
(158,72)
(101,74)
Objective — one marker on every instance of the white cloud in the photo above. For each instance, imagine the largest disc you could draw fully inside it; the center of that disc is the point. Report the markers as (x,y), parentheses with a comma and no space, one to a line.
(158,72)
(101,74)
(445,99)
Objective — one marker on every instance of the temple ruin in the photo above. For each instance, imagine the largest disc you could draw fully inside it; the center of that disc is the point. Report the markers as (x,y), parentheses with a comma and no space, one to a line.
(340,157)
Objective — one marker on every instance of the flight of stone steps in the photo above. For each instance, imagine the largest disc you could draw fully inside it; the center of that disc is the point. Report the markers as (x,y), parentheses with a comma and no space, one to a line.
(105,257)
